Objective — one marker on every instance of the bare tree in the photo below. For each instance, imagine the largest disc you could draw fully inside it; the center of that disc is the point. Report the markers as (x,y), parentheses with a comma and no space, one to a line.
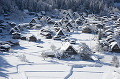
(44,55)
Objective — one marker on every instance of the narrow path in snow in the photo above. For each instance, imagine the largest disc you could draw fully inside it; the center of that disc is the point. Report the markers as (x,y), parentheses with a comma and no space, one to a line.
(70,73)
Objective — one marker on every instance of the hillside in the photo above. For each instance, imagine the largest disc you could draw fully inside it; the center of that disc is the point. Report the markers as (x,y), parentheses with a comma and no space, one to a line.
(102,7)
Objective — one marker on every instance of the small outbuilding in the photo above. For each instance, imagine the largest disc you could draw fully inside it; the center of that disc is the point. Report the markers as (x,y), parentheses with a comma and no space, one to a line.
(86,29)
(16,35)
(34,21)
(5,47)
(32,38)
(23,38)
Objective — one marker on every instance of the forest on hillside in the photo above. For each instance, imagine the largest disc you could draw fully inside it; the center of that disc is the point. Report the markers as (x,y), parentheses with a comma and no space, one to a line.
(102,7)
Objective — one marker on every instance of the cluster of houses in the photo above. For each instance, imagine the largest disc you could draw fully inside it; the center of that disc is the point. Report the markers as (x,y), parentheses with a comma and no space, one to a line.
(68,22)
(110,34)
(6,45)
(70,51)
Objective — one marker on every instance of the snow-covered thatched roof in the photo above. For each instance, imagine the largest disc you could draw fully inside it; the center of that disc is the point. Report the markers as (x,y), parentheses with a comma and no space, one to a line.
(43,19)
(60,33)
(16,33)
(113,44)
(39,14)
(6,46)
(35,20)
(76,14)
(67,45)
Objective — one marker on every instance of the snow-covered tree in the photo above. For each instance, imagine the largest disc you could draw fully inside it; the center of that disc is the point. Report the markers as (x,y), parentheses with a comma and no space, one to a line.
(44,55)
(53,47)
(90,6)
(115,61)
(23,58)
(84,51)
(99,35)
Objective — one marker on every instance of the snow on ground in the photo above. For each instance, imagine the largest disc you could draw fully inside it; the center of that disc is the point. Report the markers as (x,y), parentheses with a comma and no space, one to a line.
(42,71)
(90,72)
(38,68)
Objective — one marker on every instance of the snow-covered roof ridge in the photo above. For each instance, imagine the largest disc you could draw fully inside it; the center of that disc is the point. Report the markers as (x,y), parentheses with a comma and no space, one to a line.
(114,43)
(66,45)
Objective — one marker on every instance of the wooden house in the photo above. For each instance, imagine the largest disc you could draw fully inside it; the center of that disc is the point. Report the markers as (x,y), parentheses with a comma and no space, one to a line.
(111,40)
(65,19)
(32,38)
(107,34)
(56,24)
(37,26)
(39,15)
(99,26)
(34,21)
(115,47)
(64,12)
(70,25)
(17,28)
(5,47)
(48,19)
(78,21)
(60,33)
(69,16)
(68,49)
(12,30)
(16,35)
(86,29)
(75,15)
(67,29)
(12,24)
(50,22)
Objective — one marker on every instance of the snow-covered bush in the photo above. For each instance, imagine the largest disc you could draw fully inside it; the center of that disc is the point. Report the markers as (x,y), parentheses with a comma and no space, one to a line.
(44,55)
(23,58)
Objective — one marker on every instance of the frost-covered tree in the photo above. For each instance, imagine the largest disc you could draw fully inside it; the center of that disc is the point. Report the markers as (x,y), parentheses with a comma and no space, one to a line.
(53,47)
(98,47)
(89,6)
(115,61)
(23,58)
(84,51)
